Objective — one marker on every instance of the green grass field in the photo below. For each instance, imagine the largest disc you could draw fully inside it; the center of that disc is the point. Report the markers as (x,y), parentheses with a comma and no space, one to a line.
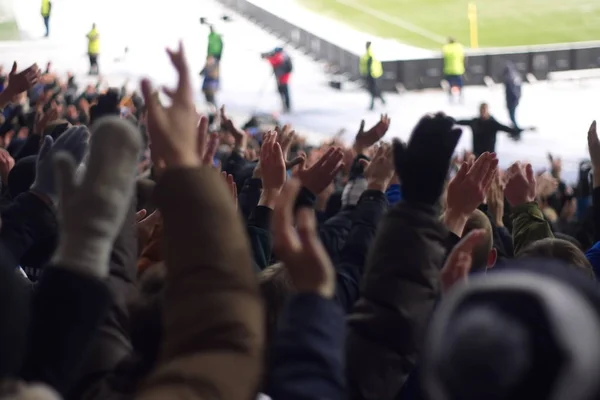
(425,23)
(9,31)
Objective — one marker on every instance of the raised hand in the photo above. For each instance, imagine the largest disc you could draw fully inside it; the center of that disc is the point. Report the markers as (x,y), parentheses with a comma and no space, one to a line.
(468,188)
(423,163)
(93,211)
(520,184)
(173,130)
(241,139)
(460,261)
(272,163)
(545,185)
(594,150)
(495,200)
(365,139)
(19,82)
(207,144)
(74,142)
(379,171)
(6,165)
(231,186)
(309,267)
(321,174)
(45,118)
(286,137)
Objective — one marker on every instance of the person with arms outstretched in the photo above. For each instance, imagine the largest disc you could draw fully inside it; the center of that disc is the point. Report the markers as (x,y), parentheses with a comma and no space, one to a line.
(485,128)
(94,50)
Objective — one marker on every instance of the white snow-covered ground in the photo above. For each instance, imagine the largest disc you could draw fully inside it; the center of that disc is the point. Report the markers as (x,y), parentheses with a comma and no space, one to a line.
(562,111)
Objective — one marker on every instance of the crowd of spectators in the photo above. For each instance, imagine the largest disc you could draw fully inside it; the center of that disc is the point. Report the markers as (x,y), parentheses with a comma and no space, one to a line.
(150,252)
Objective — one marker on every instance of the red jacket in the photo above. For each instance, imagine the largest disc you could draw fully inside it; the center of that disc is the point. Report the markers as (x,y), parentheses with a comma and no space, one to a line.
(277,61)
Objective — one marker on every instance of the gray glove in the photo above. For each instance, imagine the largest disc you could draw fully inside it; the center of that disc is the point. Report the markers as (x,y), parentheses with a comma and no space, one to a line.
(92,213)
(74,142)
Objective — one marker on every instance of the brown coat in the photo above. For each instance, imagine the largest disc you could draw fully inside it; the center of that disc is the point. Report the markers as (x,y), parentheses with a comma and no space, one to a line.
(213,315)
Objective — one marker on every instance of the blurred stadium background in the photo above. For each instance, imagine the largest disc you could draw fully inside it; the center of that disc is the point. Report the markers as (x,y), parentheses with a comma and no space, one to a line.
(426,23)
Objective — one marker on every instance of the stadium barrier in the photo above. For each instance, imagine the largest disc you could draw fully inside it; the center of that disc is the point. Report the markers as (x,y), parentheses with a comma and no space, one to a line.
(416,74)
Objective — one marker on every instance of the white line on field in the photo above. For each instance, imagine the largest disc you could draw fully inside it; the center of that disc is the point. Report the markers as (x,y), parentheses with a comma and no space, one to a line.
(395,21)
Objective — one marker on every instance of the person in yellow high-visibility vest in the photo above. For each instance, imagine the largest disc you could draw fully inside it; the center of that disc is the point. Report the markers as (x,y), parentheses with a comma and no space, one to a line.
(94,50)
(46,9)
(371,70)
(454,67)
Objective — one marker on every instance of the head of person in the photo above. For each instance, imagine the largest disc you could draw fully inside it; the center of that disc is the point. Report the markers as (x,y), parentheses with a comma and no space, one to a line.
(94,25)
(562,250)
(212,29)
(484,111)
(484,254)
(451,40)
(368,46)
(276,287)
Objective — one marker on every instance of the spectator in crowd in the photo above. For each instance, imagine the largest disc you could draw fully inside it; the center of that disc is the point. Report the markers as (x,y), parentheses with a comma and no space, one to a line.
(132,265)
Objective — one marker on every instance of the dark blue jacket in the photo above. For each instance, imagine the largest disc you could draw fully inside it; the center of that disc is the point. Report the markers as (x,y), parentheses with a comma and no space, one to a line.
(307,359)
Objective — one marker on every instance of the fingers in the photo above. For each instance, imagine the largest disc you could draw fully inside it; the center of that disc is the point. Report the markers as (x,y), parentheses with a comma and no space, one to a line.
(179,61)
(592,135)
(64,171)
(529,174)
(202,136)
(286,240)
(13,70)
(295,161)
(312,247)
(211,149)
(462,172)
(47,143)
(361,128)
(140,215)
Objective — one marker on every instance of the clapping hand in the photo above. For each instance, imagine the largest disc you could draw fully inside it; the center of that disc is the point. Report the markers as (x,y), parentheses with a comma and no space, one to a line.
(423,163)
(173,130)
(380,170)
(321,174)
(460,260)
(365,139)
(467,190)
(520,184)
(306,260)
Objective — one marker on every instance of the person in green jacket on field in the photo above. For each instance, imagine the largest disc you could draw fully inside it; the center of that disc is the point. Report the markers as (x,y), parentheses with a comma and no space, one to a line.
(215,44)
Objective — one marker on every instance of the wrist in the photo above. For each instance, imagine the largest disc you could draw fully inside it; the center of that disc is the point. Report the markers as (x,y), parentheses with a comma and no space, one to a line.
(190,160)
(455,221)
(377,185)
(268,197)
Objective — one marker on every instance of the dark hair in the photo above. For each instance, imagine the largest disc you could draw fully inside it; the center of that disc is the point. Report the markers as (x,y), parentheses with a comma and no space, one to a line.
(478,220)
(562,250)
(276,287)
